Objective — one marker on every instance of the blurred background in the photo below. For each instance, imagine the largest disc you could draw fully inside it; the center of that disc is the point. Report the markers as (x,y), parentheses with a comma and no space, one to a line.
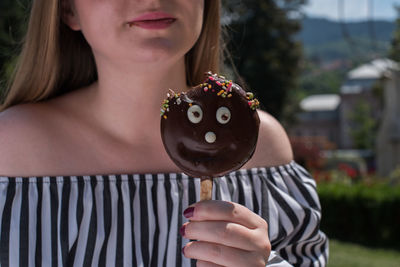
(329,71)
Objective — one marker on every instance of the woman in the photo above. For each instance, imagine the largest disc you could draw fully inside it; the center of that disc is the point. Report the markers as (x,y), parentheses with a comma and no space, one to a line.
(86,181)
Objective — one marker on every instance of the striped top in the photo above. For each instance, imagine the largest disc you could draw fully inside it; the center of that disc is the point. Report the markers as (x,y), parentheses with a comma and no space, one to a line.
(134,220)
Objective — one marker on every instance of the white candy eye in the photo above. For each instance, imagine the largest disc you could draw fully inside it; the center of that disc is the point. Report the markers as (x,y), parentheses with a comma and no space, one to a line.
(223,115)
(195,114)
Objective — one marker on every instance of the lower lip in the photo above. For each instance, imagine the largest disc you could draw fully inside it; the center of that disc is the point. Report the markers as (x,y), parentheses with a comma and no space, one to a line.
(153,24)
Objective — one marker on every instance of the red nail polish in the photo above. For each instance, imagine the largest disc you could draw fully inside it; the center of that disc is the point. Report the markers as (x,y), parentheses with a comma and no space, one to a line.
(182,230)
(188,213)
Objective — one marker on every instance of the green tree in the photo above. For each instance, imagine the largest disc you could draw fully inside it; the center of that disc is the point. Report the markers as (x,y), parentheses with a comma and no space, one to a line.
(264,48)
(13,17)
(364,126)
(394,52)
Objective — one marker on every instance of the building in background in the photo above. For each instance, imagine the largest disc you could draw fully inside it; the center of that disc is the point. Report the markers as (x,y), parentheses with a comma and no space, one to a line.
(388,143)
(358,89)
(326,120)
(318,123)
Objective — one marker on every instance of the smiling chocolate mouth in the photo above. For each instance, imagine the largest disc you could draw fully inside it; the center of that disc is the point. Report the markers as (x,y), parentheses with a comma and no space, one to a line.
(202,155)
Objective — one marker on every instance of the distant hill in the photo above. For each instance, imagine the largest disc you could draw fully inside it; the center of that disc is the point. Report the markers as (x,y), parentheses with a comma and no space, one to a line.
(325,39)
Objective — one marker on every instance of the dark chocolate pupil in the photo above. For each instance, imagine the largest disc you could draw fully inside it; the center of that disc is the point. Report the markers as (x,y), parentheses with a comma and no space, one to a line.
(196,114)
(225,117)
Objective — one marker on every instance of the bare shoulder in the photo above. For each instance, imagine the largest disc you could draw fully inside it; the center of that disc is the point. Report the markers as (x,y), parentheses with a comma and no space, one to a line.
(273,146)
(24,136)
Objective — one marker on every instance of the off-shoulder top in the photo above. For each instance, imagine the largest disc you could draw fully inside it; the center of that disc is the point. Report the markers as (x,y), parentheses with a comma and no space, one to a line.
(134,219)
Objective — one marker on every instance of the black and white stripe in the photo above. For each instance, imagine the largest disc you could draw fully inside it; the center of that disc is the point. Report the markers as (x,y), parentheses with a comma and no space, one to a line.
(134,220)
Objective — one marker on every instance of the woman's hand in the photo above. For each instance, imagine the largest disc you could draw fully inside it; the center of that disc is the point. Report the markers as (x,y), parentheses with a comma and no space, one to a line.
(228,234)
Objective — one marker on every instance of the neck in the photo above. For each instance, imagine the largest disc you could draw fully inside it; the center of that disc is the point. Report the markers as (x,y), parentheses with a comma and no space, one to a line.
(127,102)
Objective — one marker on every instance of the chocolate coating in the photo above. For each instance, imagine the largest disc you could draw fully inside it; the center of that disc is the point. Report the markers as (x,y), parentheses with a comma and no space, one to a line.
(210,130)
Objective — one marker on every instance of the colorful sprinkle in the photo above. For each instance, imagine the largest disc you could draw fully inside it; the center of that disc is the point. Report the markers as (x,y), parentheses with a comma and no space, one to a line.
(250,95)
(254,104)
(229,87)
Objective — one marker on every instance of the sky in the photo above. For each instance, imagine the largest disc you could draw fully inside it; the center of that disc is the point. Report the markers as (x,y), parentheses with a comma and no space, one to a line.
(354,9)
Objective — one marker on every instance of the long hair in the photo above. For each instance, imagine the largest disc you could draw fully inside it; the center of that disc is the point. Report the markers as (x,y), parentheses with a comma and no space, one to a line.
(55,59)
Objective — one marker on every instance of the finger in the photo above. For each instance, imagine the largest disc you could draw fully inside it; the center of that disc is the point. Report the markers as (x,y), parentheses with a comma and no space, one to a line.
(223,255)
(216,210)
(226,233)
(207,264)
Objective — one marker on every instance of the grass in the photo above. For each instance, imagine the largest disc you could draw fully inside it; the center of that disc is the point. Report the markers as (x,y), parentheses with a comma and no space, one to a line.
(352,255)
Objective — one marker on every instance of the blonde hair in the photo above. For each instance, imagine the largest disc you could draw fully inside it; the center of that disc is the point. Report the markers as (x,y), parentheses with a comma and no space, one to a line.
(54,59)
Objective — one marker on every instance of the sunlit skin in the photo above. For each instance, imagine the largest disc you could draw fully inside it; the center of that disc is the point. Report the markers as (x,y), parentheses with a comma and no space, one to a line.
(112,126)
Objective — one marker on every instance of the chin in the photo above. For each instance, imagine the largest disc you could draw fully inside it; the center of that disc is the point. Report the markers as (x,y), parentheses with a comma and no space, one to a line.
(160,52)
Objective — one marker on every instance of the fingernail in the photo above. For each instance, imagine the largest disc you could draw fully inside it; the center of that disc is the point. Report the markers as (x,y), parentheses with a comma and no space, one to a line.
(183,250)
(182,230)
(188,213)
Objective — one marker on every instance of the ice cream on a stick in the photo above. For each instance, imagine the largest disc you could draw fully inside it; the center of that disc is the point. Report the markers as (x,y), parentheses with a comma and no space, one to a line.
(210,130)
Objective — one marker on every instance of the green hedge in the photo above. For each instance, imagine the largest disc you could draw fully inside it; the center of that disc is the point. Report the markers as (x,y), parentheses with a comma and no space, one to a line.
(368,215)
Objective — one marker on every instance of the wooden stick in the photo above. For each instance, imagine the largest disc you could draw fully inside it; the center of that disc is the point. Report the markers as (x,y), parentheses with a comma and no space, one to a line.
(206,189)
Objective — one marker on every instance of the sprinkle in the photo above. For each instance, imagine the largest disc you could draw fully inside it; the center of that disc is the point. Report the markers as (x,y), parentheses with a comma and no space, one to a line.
(229,87)
(220,92)
(211,78)
(165,116)
(250,95)
(168,95)
(190,104)
(171,92)
(254,104)
(218,83)
(178,101)
(209,86)
(205,89)
(230,95)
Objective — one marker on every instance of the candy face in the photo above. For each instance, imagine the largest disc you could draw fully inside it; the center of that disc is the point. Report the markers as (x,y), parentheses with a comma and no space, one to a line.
(210,130)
